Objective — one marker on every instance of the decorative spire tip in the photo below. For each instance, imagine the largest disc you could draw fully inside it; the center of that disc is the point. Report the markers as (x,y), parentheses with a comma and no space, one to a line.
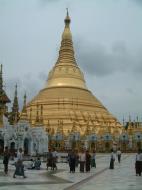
(67,19)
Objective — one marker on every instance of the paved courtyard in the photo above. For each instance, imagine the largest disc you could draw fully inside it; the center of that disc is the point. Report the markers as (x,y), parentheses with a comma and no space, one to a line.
(121,178)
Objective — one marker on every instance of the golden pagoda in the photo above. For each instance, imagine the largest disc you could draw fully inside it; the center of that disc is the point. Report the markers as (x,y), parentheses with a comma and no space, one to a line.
(66,97)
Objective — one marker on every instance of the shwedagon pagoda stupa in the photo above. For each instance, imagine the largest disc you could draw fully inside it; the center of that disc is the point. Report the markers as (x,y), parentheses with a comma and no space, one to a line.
(65,104)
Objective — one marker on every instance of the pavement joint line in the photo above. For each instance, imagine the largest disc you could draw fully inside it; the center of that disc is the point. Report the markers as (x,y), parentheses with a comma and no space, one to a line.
(78,184)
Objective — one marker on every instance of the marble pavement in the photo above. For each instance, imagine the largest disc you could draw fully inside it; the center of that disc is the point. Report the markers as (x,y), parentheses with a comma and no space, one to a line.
(122,177)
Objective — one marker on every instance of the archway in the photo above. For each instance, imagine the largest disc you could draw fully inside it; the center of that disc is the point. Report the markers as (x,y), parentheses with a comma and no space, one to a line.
(1,146)
(26,146)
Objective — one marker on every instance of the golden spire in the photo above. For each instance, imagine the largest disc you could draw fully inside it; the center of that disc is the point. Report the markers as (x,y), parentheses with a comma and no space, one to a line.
(66,71)
(14,115)
(15,107)
(67,19)
(66,52)
(24,111)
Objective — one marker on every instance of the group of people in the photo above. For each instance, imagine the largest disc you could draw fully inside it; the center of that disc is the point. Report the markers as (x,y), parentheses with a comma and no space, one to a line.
(35,164)
(138,160)
(18,163)
(112,157)
(52,159)
(85,159)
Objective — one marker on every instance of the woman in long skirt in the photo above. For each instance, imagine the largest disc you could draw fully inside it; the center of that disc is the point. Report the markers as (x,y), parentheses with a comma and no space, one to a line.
(19,169)
(112,160)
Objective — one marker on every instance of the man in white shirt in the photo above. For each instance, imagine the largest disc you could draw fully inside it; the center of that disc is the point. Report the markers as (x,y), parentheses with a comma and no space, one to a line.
(20,154)
(82,160)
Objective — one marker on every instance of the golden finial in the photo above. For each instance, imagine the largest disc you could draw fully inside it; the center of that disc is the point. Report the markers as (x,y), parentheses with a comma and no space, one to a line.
(67,12)
(67,19)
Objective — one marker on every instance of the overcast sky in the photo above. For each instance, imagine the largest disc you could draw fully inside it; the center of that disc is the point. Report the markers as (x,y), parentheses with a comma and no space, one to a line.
(107,36)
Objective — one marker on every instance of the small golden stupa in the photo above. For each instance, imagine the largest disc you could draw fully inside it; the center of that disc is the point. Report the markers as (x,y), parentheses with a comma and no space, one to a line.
(66,99)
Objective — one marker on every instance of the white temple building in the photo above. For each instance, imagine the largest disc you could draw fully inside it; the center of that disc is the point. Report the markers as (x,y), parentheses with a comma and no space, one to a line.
(32,140)
(16,130)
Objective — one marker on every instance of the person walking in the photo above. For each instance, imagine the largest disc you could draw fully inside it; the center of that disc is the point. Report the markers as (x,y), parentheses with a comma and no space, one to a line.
(6,160)
(118,153)
(138,163)
(54,159)
(77,159)
(141,160)
(93,159)
(88,161)
(49,159)
(82,160)
(19,169)
(112,159)
(20,154)
(72,161)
